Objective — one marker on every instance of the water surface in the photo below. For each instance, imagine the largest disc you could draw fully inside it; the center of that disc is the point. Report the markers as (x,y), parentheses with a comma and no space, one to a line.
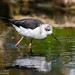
(62,57)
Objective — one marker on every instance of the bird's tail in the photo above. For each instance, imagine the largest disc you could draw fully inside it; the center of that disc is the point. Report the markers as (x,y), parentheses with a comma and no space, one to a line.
(5,19)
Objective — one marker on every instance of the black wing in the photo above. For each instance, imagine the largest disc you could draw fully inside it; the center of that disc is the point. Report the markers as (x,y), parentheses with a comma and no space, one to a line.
(27,23)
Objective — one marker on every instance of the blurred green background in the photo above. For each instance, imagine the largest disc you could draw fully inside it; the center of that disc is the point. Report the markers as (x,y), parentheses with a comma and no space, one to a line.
(58,13)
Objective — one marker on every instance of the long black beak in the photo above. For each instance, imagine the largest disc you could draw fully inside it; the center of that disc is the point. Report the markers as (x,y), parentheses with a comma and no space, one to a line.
(56,39)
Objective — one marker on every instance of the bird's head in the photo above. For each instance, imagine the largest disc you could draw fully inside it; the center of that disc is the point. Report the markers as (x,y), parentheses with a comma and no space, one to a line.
(48,29)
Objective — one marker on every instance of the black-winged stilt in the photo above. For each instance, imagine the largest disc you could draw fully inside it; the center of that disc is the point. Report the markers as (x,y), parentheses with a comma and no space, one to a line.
(31,28)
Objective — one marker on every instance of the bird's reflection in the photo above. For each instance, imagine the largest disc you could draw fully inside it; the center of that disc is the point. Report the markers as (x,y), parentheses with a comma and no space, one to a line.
(19,50)
(29,51)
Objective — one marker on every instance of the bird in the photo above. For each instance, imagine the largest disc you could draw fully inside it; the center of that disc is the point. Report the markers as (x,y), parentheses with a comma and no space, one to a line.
(30,28)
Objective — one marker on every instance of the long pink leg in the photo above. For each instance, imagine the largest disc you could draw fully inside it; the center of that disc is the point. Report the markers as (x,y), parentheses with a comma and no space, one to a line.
(30,44)
(19,41)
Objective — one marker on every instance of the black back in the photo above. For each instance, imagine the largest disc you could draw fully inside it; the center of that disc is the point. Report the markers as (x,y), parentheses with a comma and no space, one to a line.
(27,23)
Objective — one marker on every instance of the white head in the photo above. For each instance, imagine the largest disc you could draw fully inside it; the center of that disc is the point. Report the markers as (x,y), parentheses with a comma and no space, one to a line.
(48,29)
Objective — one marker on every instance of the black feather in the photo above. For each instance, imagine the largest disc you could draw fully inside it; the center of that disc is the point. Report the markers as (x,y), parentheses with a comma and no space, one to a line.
(4,19)
(26,23)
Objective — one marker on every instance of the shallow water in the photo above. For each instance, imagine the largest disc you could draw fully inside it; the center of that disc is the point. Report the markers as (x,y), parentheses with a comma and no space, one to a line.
(62,57)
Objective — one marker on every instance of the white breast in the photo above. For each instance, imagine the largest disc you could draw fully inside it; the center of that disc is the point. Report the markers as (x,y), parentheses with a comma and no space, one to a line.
(37,33)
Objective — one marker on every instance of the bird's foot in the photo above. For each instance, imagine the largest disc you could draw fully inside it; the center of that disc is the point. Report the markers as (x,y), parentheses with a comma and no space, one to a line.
(16,45)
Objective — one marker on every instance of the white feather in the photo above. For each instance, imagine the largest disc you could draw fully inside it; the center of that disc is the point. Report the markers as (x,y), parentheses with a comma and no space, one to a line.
(37,33)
